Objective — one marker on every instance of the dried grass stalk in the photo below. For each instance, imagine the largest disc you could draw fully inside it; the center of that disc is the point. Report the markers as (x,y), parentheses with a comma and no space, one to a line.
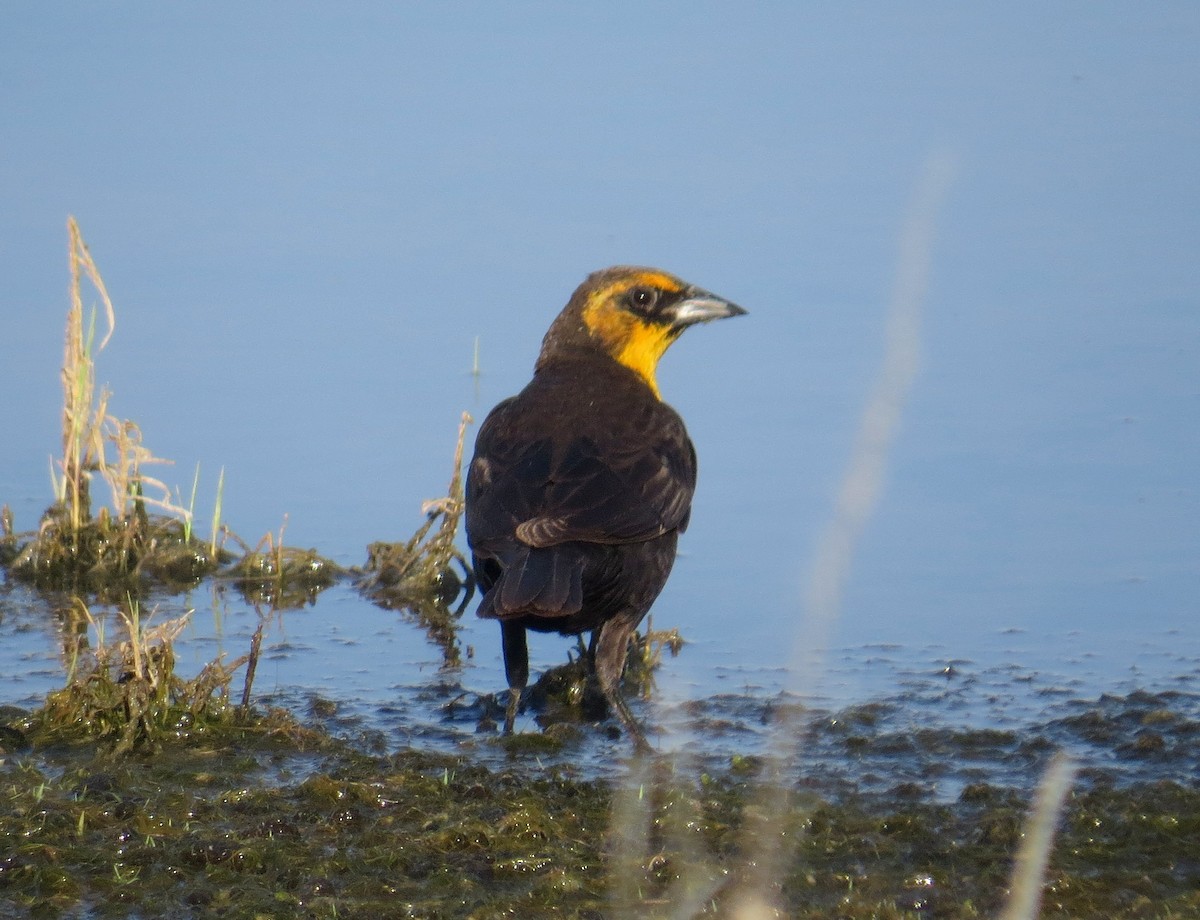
(83,445)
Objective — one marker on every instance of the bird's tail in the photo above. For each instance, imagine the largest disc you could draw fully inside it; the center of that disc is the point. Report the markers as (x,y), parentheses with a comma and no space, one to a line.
(546,582)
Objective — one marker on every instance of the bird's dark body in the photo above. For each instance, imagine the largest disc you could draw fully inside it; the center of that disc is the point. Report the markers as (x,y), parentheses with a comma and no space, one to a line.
(605,470)
(581,483)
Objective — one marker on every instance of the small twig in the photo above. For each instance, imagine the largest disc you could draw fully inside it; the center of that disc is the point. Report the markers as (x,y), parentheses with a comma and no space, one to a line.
(252,663)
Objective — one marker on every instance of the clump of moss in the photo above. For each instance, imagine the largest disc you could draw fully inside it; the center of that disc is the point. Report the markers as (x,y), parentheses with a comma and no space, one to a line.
(280,577)
(8,539)
(568,694)
(284,821)
(113,555)
(127,693)
(145,533)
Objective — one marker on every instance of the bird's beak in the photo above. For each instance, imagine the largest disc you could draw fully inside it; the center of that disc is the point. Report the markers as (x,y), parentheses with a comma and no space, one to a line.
(701,306)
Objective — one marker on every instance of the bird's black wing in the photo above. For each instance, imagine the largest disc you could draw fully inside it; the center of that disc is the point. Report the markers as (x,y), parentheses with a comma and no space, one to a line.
(625,484)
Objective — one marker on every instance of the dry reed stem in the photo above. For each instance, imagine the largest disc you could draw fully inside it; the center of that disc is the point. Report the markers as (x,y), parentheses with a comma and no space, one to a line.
(441,547)
(767,849)
(1029,867)
(86,422)
(420,561)
(252,662)
(143,638)
(140,636)
(82,442)
(629,838)
(125,478)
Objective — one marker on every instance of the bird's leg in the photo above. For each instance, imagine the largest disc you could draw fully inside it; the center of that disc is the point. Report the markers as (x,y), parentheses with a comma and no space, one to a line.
(510,713)
(610,645)
(516,668)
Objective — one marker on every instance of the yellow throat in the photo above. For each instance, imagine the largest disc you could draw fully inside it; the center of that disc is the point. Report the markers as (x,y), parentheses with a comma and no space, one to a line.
(632,341)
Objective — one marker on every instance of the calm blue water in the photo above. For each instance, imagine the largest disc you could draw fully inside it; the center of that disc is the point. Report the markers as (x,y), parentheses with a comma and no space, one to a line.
(307,221)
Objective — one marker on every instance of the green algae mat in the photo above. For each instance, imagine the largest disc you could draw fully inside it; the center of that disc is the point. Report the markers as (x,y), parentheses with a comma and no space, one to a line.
(250,814)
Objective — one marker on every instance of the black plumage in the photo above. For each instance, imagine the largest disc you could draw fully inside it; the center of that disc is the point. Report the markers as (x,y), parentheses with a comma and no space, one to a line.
(581,484)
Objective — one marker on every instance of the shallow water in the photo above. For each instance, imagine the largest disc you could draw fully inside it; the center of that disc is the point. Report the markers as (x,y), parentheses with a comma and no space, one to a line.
(882,716)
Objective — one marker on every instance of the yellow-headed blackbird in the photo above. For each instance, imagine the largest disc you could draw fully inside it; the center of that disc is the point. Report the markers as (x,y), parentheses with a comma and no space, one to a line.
(581,484)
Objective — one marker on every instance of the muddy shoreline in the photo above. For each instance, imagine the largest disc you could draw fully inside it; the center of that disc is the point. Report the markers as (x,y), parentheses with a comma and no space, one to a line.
(261,815)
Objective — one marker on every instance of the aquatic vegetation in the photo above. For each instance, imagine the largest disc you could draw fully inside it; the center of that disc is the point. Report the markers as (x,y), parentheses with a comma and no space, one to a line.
(127,693)
(280,577)
(266,816)
(646,654)
(145,535)
(568,694)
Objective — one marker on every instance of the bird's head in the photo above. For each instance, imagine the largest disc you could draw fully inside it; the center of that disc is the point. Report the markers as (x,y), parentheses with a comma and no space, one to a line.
(632,315)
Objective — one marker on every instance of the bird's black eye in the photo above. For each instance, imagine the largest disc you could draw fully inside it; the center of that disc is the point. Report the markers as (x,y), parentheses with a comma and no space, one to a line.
(643,299)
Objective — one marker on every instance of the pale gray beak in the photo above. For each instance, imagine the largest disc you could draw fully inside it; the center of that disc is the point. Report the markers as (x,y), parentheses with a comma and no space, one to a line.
(701,306)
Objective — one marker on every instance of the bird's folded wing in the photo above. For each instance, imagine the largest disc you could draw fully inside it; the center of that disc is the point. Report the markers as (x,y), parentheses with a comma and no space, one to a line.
(545,494)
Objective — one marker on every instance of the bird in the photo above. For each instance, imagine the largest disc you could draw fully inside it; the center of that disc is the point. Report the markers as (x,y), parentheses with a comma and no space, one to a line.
(581,483)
